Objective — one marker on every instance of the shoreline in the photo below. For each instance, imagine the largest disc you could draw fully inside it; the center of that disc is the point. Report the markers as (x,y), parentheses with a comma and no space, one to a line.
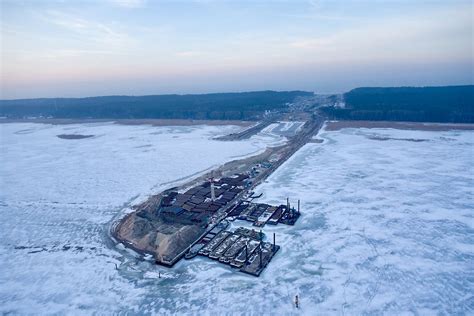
(153,122)
(330,125)
(422,126)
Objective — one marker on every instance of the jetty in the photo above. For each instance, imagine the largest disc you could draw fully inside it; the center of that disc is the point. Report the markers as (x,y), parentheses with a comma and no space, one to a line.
(189,221)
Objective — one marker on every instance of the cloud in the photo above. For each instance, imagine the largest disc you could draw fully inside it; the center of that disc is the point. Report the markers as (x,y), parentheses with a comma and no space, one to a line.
(130,4)
(434,36)
(88,30)
(189,54)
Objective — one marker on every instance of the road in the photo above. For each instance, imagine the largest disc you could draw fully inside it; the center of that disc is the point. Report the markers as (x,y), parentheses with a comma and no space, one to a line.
(310,128)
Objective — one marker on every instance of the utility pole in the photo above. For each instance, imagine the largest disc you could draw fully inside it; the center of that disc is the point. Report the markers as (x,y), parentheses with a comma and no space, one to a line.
(274,242)
(246,254)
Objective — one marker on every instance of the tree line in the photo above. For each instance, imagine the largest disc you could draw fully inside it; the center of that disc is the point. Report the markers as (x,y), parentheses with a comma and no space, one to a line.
(453,104)
(219,106)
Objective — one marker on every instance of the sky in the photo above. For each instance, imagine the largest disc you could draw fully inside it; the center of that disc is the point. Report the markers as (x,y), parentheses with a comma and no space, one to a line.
(71,48)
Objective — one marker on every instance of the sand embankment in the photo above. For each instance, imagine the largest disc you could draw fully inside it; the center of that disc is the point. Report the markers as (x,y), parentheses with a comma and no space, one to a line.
(154,122)
(337,125)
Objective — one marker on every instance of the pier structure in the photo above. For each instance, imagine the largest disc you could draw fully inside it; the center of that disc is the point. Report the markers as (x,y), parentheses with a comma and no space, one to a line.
(261,214)
(242,249)
(208,204)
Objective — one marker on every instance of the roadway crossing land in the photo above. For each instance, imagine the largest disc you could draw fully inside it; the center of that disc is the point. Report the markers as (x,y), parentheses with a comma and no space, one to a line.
(168,224)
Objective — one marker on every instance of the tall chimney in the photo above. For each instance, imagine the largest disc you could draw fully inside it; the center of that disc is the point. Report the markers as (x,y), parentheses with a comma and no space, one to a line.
(298,205)
(288,203)
(261,255)
(246,254)
(213,193)
(273,241)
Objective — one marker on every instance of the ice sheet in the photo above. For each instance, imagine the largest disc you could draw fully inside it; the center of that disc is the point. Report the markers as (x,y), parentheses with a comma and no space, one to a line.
(58,195)
(387,224)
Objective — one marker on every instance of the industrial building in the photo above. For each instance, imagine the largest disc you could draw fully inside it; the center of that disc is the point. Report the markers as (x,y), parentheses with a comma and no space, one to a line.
(243,249)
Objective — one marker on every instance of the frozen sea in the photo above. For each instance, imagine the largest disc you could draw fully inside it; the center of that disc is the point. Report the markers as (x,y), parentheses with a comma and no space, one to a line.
(387,223)
(58,196)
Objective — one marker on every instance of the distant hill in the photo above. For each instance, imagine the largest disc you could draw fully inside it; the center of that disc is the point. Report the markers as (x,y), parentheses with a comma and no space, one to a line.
(427,104)
(231,106)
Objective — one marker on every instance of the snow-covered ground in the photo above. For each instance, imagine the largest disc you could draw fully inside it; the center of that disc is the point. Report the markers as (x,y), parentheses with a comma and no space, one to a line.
(387,224)
(282,129)
(58,195)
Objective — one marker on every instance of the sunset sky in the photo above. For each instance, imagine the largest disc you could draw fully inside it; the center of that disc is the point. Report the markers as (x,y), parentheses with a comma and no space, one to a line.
(133,47)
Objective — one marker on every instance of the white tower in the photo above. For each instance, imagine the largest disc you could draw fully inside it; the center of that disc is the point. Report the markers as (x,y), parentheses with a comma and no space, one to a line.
(213,193)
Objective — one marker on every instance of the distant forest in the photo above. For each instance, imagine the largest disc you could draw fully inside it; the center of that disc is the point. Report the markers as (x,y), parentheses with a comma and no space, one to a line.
(217,106)
(428,104)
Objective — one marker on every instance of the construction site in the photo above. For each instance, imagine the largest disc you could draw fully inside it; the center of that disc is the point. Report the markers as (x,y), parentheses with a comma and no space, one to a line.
(192,220)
